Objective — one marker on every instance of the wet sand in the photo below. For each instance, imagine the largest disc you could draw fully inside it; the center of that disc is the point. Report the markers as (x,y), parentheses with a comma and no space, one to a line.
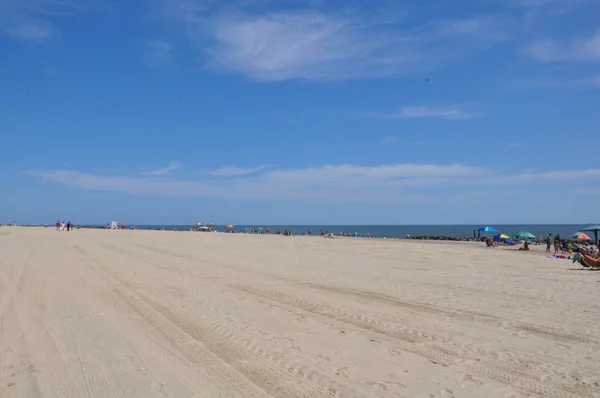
(95,313)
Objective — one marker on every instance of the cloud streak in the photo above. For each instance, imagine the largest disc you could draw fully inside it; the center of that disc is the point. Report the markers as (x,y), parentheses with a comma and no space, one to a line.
(581,49)
(31,30)
(340,182)
(173,166)
(158,54)
(234,171)
(314,40)
(424,112)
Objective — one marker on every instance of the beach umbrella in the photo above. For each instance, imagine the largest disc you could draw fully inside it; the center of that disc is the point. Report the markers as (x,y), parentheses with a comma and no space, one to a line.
(580,236)
(198,224)
(593,228)
(487,229)
(504,236)
(525,235)
(229,226)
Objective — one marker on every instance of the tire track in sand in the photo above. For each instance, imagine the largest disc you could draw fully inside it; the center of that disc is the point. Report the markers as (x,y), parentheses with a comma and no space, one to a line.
(543,331)
(434,354)
(205,373)
(234,348)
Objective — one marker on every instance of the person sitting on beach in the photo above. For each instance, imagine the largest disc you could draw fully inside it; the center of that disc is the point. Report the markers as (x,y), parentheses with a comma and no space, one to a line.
(525,246)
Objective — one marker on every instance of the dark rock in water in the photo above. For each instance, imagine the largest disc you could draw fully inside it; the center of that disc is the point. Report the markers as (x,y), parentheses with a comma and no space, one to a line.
(448,238)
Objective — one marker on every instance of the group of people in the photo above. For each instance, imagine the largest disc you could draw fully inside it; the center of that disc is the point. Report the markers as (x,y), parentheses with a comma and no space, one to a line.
(61,226)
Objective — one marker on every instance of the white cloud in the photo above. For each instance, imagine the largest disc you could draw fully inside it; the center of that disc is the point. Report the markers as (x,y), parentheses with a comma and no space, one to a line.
(158,54)
(389,140)
(307,46)
(593,81)
(29,20)
(234,171)
(490,28)
(314,182)
(165,170)
(31,30)
(340,182)
(582,49)
(316,40)
(559,175)
(426,112)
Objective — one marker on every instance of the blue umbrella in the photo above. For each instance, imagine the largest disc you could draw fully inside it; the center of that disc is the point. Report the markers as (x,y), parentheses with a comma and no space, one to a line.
(487,229)
(593,228)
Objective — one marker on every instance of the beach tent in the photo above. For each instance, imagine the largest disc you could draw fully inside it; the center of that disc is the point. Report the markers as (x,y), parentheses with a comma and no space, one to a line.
(595,229)
(509,242)
(113,225)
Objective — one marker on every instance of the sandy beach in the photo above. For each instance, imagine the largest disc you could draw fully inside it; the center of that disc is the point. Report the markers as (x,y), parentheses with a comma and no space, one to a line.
(95,313)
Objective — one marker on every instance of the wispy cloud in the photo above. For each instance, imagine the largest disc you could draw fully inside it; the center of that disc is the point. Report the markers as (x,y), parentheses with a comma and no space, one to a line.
(581,49)
(328,181)
(424,112)
(234,171)
(593,81)
(489,28)
(558,175)
(315,40)
(315,182)
(165,170)
(307,46)
(31,20)
(389,140)
(158,54)
(31,30)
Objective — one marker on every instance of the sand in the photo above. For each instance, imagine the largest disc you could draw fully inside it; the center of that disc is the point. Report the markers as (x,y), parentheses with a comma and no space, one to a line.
(180,314)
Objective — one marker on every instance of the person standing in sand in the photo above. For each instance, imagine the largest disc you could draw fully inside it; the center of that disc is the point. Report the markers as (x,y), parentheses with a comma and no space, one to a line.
(548,243)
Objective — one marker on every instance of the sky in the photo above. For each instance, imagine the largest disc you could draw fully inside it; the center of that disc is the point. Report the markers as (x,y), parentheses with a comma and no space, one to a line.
(307,112)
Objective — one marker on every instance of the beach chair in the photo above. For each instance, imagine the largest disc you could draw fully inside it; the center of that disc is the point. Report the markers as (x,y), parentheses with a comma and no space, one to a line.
(589,262)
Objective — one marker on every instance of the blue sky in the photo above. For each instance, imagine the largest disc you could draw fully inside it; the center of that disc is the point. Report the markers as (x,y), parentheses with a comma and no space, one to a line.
(300,111)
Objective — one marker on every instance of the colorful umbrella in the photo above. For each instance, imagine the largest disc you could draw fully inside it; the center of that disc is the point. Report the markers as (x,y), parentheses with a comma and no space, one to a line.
(198,223)
(504,236)
(229,226)
(525,235)
(580,236)
(487,229)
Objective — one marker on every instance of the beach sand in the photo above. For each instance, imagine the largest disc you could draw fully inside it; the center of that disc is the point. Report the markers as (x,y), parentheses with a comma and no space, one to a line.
(95,313)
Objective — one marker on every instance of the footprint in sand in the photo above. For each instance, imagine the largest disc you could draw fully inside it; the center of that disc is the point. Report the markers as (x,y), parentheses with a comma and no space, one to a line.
(378,386)
(344,372)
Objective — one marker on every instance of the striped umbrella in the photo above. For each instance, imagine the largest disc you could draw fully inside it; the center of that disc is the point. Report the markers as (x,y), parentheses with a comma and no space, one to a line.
(580,236)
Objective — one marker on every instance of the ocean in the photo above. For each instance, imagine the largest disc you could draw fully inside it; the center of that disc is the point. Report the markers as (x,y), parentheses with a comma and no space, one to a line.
(400,231)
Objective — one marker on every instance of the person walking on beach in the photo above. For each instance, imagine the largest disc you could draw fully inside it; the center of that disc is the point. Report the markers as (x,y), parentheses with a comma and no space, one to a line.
(548,243)
(58,225)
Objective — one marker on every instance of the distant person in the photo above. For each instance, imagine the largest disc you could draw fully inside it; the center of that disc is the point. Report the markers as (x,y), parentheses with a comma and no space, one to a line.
(548,243)
(69,226)
(310,231)
(407,236)
(58,225)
